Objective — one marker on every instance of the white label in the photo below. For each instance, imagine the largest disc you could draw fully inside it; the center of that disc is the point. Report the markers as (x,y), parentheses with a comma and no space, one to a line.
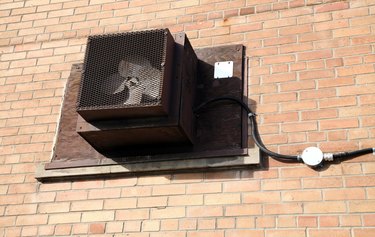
(223,69)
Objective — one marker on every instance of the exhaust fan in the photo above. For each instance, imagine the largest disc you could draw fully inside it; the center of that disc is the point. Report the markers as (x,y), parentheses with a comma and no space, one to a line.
(126,75)
(131,92)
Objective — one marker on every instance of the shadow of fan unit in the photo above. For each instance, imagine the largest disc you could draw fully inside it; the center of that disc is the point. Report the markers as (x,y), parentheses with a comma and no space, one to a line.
(130,92)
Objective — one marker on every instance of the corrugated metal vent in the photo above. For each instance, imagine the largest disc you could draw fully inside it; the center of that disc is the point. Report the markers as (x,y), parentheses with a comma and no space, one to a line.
(126,75)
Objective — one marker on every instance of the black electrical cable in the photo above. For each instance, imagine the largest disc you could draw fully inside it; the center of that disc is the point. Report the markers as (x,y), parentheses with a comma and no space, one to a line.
(351,154)
(258,141)
(254,128)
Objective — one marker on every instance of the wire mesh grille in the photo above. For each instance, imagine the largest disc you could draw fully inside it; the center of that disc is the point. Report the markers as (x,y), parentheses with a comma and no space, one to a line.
(123,70)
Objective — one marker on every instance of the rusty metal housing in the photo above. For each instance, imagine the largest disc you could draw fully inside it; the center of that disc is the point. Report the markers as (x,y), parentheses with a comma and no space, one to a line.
(137,89)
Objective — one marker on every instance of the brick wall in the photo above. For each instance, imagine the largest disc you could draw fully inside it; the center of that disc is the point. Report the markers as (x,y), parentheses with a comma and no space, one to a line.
(312,78)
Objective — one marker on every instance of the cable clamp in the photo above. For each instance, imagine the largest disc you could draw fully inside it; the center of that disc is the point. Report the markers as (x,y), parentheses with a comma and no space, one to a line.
(328,156)
(251,115)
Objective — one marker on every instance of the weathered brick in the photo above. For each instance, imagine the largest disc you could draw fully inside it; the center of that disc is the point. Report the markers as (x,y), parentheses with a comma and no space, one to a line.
(329,232)
(338,123)
(152,202)
(132,214)
(97,216)
(60,207)
(20,209)
(324,207)
(168,212)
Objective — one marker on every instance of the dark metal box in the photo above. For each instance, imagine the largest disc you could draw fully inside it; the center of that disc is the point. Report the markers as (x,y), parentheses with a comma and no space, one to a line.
(151,127)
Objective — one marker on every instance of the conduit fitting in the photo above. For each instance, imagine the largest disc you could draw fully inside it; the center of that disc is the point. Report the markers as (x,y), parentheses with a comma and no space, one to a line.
(328,156)
(312,156)
(373,151)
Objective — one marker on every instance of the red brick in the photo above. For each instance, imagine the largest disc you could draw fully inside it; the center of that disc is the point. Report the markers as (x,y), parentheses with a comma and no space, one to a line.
(108,193)
(185,200)
(47,230)
(245,28)
(332,7)
(337,135)
(352,31)
(97,216)
(33,220)
(169,224)
(321,114)
(365,232)
(40,197)
(64,218)
(329,232)
(204,211)
(152,202)
(350,220)
(168,212)
(247,11)
(253,233)
(299,127)
(281,184)
(298,106)
(335,82)
(132,214)
(59,207)
(369,220)
(97,228)
(71,195)
(338,123)
(279,77)
(136,192)
(277,118)
(216,233)
(324,207)
(292,30)
(286,221)
(293,48)
(280,233)
(63,229)
(353,60)
(298,172)
(88,205)
(338,102)
(359,181)
(350,13)
(168,189)
(307,221)
(328,221)
(286,208)
(114,227)
(222,176)
(281,97)
(20,209)
(235,38)
(189,224)
(339,24)
(334,43)
(321,54)
(245,222)
(280,40)
(307,195)
(316,74)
